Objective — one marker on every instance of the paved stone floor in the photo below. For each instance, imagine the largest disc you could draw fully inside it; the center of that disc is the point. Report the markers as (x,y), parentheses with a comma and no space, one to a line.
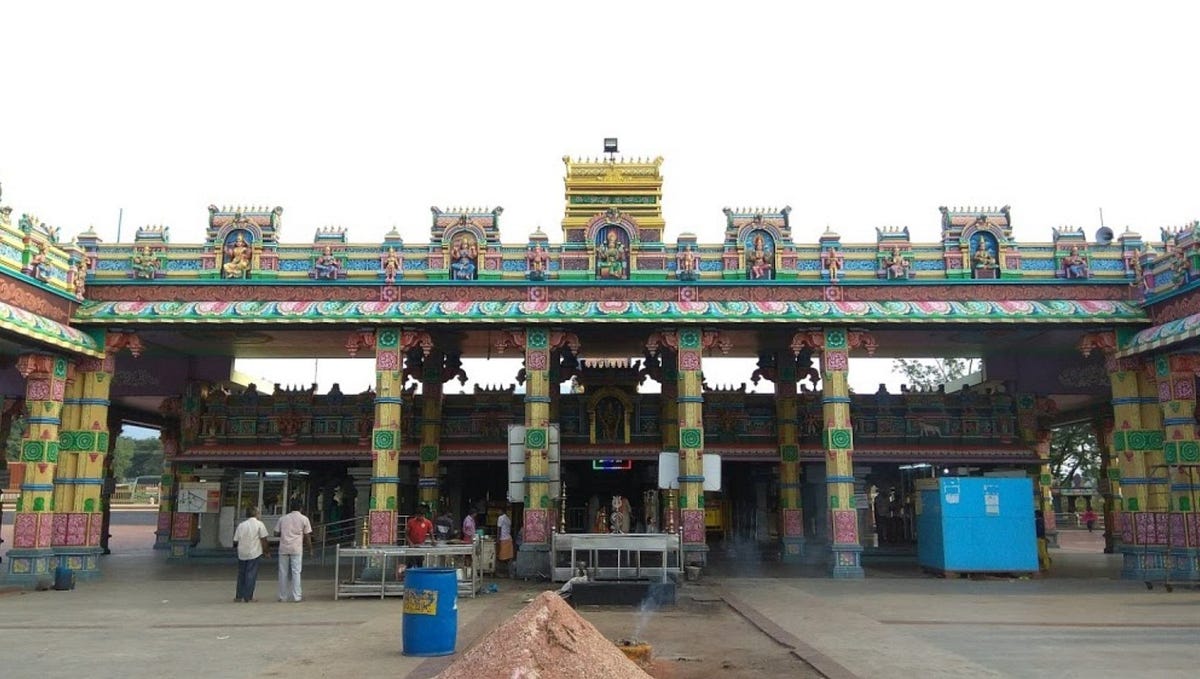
(148,617)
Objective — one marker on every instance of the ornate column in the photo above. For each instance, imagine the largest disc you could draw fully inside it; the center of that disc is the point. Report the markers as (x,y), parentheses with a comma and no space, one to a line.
(430,372)
(838,439)
(46,377)
(1175,479)
(64,472)
(688,344)
(538,344)
(171,435)
(389,344)
(1109,481)
(669,419)
(434,371)
(1043,486)
(84,445)
(1135,439)
(781,368)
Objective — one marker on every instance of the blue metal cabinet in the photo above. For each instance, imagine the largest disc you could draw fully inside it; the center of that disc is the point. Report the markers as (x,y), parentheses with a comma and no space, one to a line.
(977,524)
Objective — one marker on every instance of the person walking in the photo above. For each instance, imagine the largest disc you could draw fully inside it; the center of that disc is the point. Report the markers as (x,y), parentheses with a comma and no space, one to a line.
(295,533)
(1089,519)
(250,540)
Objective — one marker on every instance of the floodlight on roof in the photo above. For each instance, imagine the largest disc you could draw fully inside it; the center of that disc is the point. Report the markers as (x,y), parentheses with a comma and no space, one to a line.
(610,145)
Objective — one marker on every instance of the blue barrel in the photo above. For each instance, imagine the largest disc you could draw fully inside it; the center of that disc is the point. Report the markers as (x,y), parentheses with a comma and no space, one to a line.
(430,611)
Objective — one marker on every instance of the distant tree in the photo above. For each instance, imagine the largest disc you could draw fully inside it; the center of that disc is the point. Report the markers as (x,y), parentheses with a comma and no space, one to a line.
(12,447)
(927,373)
(1073,449)
(147,458)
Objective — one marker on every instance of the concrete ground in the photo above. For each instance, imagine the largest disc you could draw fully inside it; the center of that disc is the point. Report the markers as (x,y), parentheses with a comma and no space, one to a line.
(146,616)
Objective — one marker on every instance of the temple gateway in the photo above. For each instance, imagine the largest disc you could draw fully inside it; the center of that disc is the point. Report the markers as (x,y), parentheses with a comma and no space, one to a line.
(613,325)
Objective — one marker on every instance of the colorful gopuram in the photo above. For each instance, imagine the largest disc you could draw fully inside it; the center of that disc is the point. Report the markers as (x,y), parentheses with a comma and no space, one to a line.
(613,324)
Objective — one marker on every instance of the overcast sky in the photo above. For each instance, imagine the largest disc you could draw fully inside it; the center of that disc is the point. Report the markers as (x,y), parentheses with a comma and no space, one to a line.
(858,115)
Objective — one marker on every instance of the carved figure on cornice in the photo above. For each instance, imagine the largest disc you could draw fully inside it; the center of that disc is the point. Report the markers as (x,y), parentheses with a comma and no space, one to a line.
(759,258)
(896,265)
(145,263)
(79,277)
(983,259)
(464,258)
(327,266)
(237,262)
(39,265)
(391,266)
(537,262)
(610,256)
(1074,265)
(833,261)
(688,264)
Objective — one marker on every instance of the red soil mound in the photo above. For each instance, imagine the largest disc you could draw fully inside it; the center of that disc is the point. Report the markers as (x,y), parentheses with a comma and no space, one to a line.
(545,640)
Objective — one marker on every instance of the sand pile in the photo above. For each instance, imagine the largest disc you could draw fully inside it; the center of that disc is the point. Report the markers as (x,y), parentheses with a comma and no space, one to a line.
(545,640)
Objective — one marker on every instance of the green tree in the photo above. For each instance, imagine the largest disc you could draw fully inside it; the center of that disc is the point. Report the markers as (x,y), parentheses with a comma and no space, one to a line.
(1073,448)
(12,447)
(147,458)
(927,373)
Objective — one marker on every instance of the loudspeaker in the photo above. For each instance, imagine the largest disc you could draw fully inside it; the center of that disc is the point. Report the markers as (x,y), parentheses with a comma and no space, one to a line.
(1104,235)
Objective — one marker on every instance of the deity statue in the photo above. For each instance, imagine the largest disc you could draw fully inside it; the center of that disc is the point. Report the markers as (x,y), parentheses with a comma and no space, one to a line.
(833,261)
(145,263)
(1074,265)
(80,277)
(759,260)
(391,266)
(538,261)
(463,257)
(327,266)
(39,264)
(610,257)
(983,258)
(896,265)
(688,264)
(237,258)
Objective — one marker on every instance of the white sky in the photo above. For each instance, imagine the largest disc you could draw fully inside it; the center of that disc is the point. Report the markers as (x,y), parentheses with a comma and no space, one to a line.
(856,114)
(363,115)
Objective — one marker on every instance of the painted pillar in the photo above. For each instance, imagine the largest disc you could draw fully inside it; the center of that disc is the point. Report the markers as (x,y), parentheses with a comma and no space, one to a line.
(534,556)
(791,515)
(46,377)
(428,492)
(538,345)
(171,435)
(166,505)
(64,472)
(84,440)
(183,524)
(690,398)
(1176,479)
(839,448)
(1109,483)
(1043,486)
(669,423)
(385,437)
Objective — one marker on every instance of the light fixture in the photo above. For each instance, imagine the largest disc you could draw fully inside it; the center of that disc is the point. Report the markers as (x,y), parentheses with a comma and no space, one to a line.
(610,145)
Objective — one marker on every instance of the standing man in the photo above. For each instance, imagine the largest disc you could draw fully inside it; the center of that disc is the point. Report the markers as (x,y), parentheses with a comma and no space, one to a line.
(250,539)
(295,533)
(468,527)
(418,528)
(504,548)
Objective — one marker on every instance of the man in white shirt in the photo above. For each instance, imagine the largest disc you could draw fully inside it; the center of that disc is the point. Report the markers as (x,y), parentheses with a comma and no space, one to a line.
(250,539)
(295,533)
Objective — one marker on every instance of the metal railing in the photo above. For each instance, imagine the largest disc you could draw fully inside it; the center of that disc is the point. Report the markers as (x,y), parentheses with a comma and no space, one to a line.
(347,533)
